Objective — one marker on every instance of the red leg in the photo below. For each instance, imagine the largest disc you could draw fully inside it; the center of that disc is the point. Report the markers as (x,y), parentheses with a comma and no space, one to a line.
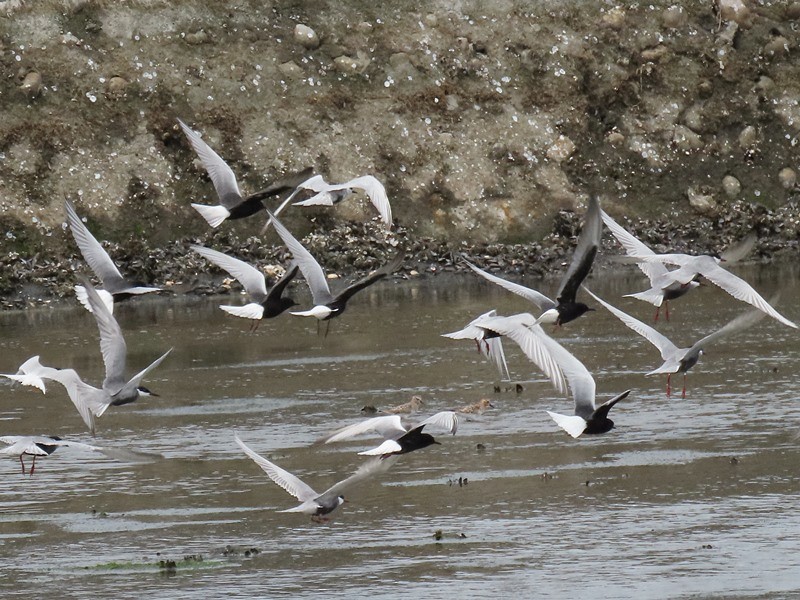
(658,310)
(33,465)
(667,308)
(683,394)
(22,463)
(669,390)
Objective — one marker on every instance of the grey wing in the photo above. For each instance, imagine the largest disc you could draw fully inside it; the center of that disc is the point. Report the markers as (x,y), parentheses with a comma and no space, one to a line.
(389,426)
(370,468)
(539,299)
(24,444)
(87,399)
(739,289)
(585,251)
(736,252)
(743,321)
(112,344)
(521,329)
(137,379)
(312,272)
(251,278)
(634,247)
(446,420)
(377,195)
(93,253)
(286,480)
(580,380)
(668,350)
(78,445)
(218,170)
(492,349)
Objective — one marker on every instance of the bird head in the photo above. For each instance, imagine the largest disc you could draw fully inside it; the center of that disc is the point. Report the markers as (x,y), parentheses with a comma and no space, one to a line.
(143,391)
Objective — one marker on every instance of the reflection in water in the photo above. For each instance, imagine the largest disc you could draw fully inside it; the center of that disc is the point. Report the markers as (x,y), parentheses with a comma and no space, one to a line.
(686,496)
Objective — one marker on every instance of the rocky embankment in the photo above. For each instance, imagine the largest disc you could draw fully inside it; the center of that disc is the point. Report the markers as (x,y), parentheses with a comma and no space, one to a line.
(489,124)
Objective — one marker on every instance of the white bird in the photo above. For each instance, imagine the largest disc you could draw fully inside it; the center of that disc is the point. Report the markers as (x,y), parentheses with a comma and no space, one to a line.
(312,503)
(115,287)
(709,268)
(265,305)
(565,308)
(663,286)
(526,332)
(488,342)
(588,418)
(40,445)
(232,205)
(327,306)
(680,360)
(399,438)
(31,373)
(329,194)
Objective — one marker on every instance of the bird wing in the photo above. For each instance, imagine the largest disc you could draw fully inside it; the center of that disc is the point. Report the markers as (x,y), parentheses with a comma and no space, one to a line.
(446,420)
(668,350)
(25,444)
(521,329)
(93,253)
(539,299)
(634,247)
(601,412)
(389,426)
(380,273)
(112,344)
(580,380)
(87,399)
(737,251)
(472,331)
(370,468)
(743,321)
(492,349)
(286,480)
(137,379)
(276,291)
(251,278)
(738,288)
(218,170)
(32,373)
(287,183)
(585,251)
(312,272)
(376,192)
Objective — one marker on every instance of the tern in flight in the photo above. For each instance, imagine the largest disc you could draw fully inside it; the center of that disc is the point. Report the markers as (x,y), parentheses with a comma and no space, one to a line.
(565,308)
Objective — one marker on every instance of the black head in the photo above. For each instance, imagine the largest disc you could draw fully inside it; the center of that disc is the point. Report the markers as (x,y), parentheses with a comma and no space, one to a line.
(143,391)
(415,440)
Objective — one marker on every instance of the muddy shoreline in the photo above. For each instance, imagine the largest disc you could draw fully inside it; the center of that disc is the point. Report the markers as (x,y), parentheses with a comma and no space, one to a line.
(348,249)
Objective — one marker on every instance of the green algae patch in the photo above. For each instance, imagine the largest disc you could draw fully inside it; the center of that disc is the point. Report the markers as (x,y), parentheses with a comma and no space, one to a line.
(163,566)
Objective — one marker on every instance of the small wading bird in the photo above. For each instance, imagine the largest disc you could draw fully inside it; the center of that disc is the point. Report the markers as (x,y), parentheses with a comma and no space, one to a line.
(680,360)
(232,205)
(327,306)
(265,305)
(399,438)
(690,267)
(312,503)
(489,343)
(412,406)
(115,287)
(663,285)
(39,445)
(476,408)
(565,308)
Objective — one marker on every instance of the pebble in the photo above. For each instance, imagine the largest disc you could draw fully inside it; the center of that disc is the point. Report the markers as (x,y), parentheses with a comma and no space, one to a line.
(777,46)
(734,10)
(346,64)
(675,16)
(306,37)
(561,149)
(614,18)
(685,139)
(116,85)
(32,85)
(788,178)
(196,38)
(793,11)
(748,137)
(290,69)
(731,186)
(701,200)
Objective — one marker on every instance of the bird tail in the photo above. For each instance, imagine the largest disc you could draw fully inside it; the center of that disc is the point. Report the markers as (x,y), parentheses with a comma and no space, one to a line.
(653,296)
(215,215)
(573,425)
(248,311)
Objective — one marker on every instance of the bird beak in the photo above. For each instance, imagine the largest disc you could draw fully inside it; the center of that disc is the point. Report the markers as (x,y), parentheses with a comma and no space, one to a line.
(437,443)
(154,394)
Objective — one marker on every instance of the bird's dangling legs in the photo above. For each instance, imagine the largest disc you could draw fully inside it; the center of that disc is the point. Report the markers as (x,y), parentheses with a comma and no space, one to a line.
(658,311)
(255,325)
(667,308)
(33,465)
(22,463)
(669,390)
(683,393)
(327,328)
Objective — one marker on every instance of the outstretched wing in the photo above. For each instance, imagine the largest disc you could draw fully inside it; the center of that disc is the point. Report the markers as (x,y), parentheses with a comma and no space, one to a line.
(112,344)
(93,253)
(539,299)
(634,247)
(388,426)
(283,478)
(251,278)
(359,285)
(218,170)
(585,251)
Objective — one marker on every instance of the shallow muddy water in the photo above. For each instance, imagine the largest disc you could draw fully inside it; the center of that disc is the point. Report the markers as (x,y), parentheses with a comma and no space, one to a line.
(685,497)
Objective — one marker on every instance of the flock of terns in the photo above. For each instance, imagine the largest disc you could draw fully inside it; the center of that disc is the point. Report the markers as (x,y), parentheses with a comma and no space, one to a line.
(562,368)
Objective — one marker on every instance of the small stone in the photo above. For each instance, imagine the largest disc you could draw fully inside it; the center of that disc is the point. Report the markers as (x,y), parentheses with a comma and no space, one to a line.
(196,38)
(685,139)
(654,54)
(32,85)
(788,178)
(674,17)
(701,200)
(614,18)
(346,64)
(615,138)
(306,37)
(793,11)
(116,86)
(431,20)
(364,27)
(734,10)
(777,46)
(731,186)
(561,149)
(748,137)
(764,84)
(291,69)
